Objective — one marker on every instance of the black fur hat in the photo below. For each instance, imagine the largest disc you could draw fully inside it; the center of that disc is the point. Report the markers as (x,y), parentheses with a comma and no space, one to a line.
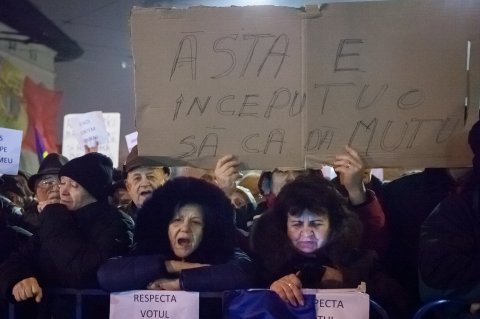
(151,232)
(93,171)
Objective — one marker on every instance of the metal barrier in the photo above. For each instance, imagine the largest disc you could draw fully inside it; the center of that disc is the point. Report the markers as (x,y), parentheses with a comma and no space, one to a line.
(79,294)
(429,307)
(379,309)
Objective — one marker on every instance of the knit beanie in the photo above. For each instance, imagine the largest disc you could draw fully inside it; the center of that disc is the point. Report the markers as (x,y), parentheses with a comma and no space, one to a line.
(93,171)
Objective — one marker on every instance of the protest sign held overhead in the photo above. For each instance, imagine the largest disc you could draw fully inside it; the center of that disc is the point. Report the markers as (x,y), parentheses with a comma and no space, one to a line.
(283,87)
(81,132)
(131,140)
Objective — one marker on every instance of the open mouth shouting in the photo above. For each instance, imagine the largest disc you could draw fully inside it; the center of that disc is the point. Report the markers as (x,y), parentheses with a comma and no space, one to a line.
(143,195)
(185,230)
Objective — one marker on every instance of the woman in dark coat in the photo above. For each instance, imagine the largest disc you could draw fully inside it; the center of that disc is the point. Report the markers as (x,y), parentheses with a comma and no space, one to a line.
(310,240)
(184,241)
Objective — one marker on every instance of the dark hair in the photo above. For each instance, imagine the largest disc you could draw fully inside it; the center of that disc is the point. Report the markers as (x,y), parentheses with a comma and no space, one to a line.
(151,234)
(319,196)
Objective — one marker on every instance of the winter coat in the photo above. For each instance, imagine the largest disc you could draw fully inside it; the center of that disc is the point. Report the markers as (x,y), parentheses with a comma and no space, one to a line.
(230,268)
(136,272)
(10,213)
(375,230)
(407,201)
(276,256)
(10,235)
(69,247)
(10,238)
(449,252)
(131,210)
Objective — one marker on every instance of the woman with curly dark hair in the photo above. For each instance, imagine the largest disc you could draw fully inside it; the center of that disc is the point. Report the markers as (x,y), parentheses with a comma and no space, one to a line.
(310,240)
(184,241)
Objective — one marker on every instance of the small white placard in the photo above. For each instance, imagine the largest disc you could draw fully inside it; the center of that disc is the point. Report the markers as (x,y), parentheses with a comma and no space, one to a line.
(71,148)
(154,304)
(10,148)
(89,128)
(131,140)
(342,304)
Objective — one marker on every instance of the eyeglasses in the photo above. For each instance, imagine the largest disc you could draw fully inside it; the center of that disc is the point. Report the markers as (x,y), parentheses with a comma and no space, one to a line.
(48,182)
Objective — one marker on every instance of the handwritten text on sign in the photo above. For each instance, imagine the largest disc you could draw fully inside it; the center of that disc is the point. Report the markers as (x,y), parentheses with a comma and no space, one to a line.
(278,87)
(345,305)
(10,148)
(73,147)
(154,304)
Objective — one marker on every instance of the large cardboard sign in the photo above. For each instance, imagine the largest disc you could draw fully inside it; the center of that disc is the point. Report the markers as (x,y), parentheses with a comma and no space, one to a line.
(287,87)
(138,304)
(10,148)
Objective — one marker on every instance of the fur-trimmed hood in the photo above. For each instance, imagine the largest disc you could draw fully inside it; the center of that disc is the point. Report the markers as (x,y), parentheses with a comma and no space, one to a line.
(151,234)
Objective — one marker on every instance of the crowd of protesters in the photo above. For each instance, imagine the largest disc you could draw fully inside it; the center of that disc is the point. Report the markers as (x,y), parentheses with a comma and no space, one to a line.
(81,223)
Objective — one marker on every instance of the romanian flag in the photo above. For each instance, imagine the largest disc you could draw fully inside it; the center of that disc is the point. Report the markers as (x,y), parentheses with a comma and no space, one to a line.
(30,107)
(42,106)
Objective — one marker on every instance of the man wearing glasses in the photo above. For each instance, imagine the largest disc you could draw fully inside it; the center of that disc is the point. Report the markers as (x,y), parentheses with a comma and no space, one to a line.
(45,186)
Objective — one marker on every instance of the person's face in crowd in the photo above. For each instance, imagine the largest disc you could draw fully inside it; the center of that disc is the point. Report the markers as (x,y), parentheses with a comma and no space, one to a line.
(265,186)
(24,182)
(280,178)
(186,230)
(73,195)
(367,175)
(121,197)
(239,199)
(15,198)
(142,181)
(47,188)
(308,231)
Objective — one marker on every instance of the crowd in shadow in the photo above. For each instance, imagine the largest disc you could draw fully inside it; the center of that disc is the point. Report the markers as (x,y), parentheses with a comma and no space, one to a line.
(82,224)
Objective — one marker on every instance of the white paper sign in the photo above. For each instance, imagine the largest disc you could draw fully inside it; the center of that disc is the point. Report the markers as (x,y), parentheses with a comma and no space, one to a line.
(71,148)
(154,304)
(342,305)
(89,128)
(131,140)
(10,148)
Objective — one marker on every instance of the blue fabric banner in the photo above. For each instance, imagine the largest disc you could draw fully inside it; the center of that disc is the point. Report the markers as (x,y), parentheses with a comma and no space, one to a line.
(264,304)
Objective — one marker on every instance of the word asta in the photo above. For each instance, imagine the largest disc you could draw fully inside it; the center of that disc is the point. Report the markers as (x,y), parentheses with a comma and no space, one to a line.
(328,303)
(154,314)
(270,49)
(154,298)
